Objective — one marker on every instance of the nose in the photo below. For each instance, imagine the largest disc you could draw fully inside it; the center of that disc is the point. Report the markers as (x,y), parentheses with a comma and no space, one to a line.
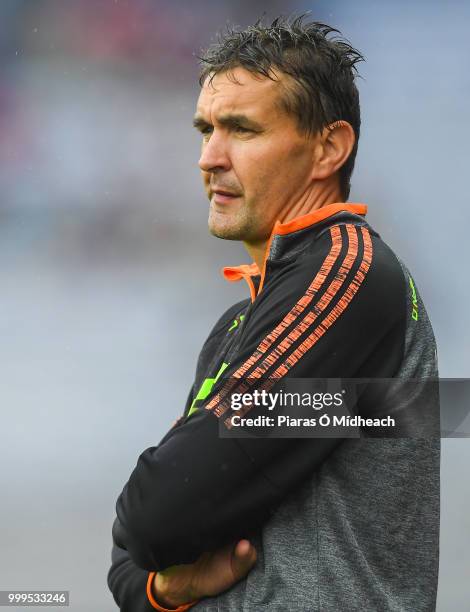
(214,154)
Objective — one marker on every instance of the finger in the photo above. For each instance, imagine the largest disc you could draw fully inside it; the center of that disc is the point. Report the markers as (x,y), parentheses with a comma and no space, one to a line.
(243,559)
(242,549)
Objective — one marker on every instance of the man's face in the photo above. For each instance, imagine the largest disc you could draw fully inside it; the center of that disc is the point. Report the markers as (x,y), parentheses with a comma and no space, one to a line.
(255,164)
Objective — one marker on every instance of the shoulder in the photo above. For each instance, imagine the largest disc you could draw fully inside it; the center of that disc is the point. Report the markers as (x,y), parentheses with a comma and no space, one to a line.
(337,301)
(214,342)
(226,320)
(349,265)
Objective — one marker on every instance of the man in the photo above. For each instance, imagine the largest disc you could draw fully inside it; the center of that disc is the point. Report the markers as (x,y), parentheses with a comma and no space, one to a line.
(251,524)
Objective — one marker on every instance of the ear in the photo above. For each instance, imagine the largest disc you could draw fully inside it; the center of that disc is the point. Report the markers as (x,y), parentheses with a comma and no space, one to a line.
(332,149)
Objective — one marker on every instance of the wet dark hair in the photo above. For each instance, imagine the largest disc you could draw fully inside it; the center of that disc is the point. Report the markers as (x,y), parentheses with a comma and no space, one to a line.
(323,71)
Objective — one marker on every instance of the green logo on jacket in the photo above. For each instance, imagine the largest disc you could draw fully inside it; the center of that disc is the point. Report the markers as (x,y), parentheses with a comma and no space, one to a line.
(414,300)
(206,388)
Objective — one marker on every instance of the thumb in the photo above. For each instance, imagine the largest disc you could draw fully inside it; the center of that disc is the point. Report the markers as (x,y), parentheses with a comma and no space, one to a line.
(243,559)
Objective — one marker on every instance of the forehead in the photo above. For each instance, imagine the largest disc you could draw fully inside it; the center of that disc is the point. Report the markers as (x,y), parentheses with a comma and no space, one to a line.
(239,90)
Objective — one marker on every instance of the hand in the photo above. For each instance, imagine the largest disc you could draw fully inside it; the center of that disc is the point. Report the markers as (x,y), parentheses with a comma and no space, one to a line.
(211,574)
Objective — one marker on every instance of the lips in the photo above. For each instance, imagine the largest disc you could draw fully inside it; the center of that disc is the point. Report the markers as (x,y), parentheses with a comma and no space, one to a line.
(223,192)
(219,195)
(223,197)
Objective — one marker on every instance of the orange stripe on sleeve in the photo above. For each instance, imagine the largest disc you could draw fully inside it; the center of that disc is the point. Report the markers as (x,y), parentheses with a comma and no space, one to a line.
(330,293)
(336,312)
(289,319)
(318,309)
(322,327)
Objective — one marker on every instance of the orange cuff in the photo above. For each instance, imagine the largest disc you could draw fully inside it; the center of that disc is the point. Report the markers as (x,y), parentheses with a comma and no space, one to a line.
(156,605)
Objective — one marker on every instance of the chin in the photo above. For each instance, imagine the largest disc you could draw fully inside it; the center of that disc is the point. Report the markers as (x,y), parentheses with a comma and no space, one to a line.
(220,225)
(229,226)
(224,231)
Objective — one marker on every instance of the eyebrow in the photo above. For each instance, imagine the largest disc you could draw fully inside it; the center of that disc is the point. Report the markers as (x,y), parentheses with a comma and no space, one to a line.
(229,121)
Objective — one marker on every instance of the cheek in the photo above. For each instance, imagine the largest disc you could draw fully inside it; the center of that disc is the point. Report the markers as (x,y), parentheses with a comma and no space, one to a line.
(290,167)
(271,171)
(255,167)
(267,168)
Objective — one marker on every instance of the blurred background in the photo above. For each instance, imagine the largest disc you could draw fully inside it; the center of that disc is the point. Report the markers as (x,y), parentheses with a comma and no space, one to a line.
(104,247)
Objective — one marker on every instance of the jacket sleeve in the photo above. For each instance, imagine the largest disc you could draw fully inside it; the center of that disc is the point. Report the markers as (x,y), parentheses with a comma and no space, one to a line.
(324,316)
(128,583)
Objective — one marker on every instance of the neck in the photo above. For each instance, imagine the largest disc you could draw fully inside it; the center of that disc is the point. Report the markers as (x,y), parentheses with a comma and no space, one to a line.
(257,250)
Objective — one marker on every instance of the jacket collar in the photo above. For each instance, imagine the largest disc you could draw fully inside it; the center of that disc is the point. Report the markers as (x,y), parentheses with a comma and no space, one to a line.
(287,238)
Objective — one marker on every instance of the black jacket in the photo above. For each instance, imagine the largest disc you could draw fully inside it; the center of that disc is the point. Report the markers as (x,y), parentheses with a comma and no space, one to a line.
(331,302)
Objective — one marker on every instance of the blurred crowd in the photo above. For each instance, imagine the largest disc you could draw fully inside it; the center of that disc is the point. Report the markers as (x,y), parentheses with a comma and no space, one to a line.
(97,153)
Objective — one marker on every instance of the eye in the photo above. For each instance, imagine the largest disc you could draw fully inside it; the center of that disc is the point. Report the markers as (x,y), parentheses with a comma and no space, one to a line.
(206,132)
(242,130)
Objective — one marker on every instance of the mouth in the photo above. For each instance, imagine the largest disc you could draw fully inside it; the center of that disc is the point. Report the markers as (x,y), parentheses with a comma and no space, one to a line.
(220,196)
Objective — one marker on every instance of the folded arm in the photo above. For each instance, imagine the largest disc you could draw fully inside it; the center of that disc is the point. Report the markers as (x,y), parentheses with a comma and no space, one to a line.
(197,491)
